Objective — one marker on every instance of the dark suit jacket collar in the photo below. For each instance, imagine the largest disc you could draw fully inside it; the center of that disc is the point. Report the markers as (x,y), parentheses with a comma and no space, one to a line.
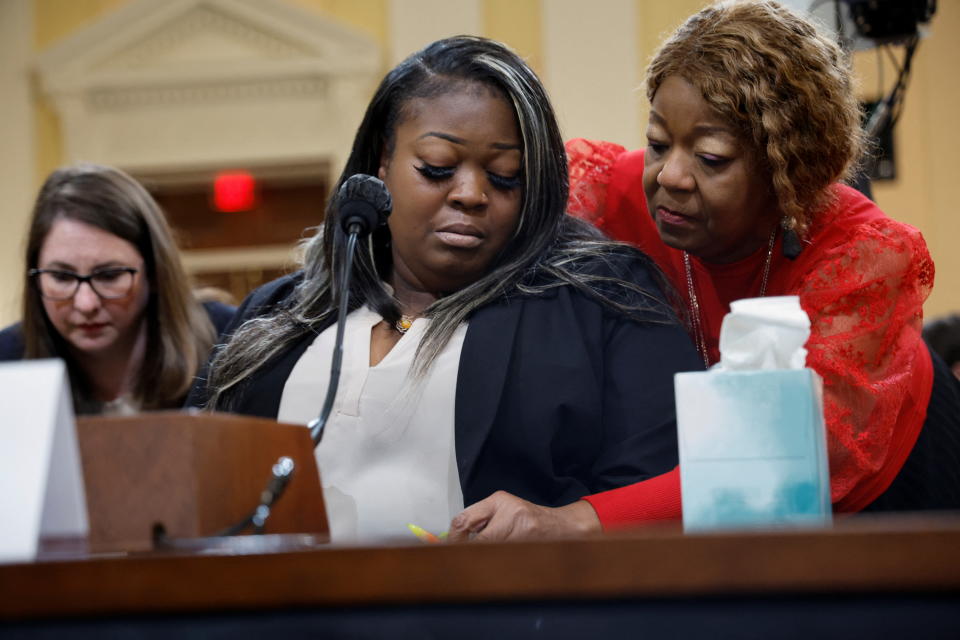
(484,361)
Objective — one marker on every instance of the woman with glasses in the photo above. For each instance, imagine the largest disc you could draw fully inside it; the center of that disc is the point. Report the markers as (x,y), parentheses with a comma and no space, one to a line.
(106,293)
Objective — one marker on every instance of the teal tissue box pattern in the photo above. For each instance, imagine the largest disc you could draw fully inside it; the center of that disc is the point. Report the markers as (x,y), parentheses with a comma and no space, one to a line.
(752,449)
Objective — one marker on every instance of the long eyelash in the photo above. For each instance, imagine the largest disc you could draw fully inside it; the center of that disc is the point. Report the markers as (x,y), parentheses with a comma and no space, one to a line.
(505,184)
(431,172)
(502,183)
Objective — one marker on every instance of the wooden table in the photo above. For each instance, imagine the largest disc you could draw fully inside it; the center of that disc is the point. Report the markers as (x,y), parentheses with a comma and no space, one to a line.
(889,575)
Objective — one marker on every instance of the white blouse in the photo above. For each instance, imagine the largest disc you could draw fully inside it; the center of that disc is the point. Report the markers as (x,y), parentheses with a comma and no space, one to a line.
(387,458)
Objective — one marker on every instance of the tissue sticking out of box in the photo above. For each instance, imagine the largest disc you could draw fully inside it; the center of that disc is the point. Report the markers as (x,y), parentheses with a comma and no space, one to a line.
(752,441)
(764,333)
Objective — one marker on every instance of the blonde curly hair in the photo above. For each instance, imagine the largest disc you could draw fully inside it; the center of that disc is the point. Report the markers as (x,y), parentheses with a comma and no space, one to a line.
(785,87)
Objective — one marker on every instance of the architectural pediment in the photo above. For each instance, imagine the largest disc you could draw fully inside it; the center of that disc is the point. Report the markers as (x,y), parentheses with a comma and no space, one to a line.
(148,41)
(208,82)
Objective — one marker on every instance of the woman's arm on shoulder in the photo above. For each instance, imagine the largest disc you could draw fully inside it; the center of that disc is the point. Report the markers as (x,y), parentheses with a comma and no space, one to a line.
(590,165)
(606,190)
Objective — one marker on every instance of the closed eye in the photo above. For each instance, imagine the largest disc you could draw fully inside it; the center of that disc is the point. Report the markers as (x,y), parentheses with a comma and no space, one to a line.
(499,182)
(504,183)
(436,174)
(656,147)
(712,161)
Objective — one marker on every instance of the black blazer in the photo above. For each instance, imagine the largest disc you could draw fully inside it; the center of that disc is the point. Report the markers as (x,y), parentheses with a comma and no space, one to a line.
(557,396)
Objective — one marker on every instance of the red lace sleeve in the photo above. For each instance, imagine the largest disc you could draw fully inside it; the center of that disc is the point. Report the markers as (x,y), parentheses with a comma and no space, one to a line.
(864,294)
(590,167)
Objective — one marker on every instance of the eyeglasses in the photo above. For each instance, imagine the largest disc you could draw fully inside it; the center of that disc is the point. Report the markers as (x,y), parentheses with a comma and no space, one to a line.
(109,284)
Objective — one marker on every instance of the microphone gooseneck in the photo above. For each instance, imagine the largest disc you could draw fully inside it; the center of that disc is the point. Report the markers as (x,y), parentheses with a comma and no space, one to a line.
(363,203)
(280,474)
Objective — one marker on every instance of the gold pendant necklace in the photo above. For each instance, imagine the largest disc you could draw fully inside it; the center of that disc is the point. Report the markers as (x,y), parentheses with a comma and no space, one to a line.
(695,319)
(403,324)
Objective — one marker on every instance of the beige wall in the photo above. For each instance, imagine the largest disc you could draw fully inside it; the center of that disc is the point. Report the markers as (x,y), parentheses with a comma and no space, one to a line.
(927,189)
(550,35)
(16,148)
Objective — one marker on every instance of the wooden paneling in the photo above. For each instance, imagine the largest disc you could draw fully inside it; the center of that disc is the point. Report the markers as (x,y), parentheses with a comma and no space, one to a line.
(282,215)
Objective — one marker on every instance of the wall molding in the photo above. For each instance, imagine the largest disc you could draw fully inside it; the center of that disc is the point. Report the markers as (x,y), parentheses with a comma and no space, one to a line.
(157,85)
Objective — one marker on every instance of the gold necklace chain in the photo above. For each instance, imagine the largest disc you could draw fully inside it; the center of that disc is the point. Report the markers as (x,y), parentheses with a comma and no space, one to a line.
(695,318)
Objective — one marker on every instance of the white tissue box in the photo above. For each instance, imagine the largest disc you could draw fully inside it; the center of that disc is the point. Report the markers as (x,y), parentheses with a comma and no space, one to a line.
(752,449)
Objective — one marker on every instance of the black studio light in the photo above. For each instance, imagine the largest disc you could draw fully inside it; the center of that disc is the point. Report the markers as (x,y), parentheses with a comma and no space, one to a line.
(890,21)
(894,29)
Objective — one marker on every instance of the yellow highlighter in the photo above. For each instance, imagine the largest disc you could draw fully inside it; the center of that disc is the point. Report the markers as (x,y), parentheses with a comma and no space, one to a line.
(426,536)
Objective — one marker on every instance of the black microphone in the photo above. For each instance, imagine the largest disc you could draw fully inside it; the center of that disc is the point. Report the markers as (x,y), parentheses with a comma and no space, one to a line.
(363,203)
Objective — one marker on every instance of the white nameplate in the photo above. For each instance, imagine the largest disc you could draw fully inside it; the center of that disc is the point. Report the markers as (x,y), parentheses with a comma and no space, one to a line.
(41,480)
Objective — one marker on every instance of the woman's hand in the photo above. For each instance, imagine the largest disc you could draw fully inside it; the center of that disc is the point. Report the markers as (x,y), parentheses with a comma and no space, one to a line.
(503,516)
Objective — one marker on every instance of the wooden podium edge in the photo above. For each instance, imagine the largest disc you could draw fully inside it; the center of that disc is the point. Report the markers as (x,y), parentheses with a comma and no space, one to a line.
(896,557)
(192,473)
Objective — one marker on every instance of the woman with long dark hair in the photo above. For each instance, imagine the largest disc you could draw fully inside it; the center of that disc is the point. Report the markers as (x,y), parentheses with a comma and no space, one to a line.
(492,339)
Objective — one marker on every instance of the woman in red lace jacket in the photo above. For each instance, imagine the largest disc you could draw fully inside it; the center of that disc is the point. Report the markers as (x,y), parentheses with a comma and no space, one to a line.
(753,122)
